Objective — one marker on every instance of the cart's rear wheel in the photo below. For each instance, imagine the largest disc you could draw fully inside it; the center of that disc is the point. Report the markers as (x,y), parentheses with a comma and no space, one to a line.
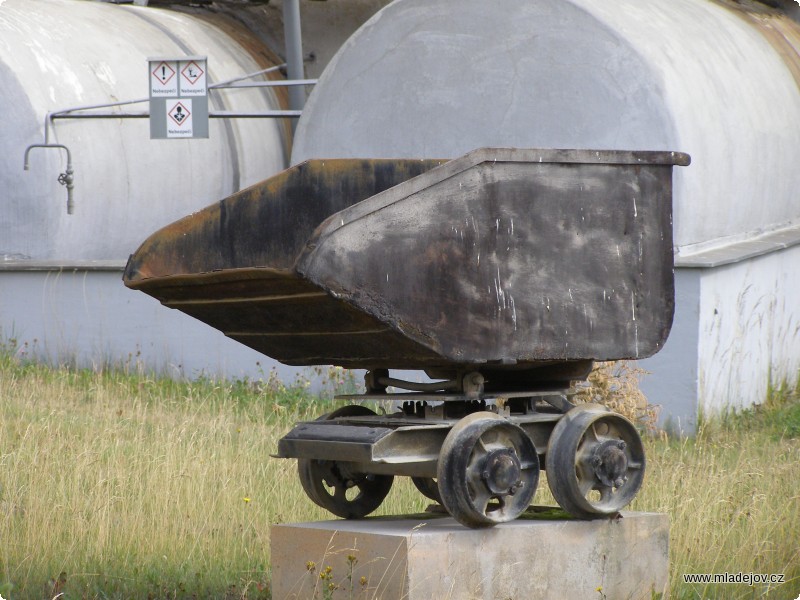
(488,470)
(348,495)
(428,487)
(331,484)
(595,461)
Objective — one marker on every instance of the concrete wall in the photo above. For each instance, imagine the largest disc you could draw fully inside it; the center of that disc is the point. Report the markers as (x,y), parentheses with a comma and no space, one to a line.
(749,330)
(86,316)
(735,335)
(672,374)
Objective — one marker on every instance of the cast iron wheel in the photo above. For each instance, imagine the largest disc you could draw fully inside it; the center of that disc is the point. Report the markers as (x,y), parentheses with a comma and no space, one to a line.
(488,470)
(595,462)
(331,485)
(428,487)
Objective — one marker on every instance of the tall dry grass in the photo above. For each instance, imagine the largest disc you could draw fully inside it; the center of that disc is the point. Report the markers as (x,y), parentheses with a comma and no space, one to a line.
(115,485)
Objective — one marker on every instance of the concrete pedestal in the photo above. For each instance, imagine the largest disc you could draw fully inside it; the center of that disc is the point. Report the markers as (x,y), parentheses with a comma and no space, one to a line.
(433,558)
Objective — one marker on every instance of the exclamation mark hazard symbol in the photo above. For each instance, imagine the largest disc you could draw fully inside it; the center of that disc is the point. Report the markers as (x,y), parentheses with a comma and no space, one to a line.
(163,73)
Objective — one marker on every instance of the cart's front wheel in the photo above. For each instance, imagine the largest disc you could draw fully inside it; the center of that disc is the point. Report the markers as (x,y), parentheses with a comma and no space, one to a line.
(595,461)
(488,470)
(331,484)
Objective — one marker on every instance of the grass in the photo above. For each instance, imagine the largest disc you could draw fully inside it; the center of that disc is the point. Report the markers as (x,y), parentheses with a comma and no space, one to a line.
(117,485)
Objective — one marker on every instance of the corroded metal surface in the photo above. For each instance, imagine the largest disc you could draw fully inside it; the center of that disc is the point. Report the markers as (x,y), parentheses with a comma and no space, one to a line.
(510,259)
(231,265)
(779,29)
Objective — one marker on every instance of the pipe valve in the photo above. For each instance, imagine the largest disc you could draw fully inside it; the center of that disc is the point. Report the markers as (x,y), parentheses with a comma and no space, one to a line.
(67,178)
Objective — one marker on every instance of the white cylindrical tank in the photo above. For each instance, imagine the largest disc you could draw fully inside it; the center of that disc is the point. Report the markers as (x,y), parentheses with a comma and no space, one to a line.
(709,77)
(58,54)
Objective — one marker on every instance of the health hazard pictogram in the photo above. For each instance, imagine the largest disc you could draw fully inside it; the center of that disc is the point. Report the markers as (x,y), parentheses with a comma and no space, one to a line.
(180,114)
(163,72)
(192,72)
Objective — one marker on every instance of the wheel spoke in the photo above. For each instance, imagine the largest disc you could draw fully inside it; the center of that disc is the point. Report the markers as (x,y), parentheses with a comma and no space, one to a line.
(583,455)
(480,497)
(499,510)
(474,473)
(606,493)
(586,485)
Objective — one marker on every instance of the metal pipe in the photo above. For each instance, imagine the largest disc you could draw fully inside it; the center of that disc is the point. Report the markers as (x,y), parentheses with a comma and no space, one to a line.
(52,115)
(214,114)
(273,83)
(66,112)
(294,51)
(248,76)
(66,178)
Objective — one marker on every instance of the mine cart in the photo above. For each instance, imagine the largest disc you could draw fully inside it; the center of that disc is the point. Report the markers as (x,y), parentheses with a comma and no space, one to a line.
(501,275)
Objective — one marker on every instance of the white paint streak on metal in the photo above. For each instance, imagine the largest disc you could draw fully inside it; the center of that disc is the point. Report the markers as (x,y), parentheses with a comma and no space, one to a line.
(513,312)
(633,305)
(635,212)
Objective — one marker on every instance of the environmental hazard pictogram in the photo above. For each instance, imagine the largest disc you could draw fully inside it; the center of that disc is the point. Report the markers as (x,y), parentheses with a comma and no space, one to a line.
(163,72)
(180,114)
(192,72)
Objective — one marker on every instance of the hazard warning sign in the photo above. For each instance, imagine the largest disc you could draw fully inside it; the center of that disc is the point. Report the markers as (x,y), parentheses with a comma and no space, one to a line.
(163,82)
(179,123)
(193,78)
(178,97)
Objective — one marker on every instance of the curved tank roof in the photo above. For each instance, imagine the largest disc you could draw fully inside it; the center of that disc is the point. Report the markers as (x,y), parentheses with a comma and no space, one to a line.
(57,54)
(436,79)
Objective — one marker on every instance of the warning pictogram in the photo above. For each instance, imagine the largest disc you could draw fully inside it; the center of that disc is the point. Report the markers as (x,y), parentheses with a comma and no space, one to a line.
(164,72)
(162,79)
(192,72)
(193,78)
(180,118)
(180,114)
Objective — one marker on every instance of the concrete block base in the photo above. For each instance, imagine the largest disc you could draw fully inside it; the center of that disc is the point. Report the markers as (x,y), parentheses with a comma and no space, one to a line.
(427,557)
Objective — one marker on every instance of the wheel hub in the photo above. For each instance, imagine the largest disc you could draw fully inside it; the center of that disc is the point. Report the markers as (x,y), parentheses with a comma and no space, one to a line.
(610,463)
(502,471)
